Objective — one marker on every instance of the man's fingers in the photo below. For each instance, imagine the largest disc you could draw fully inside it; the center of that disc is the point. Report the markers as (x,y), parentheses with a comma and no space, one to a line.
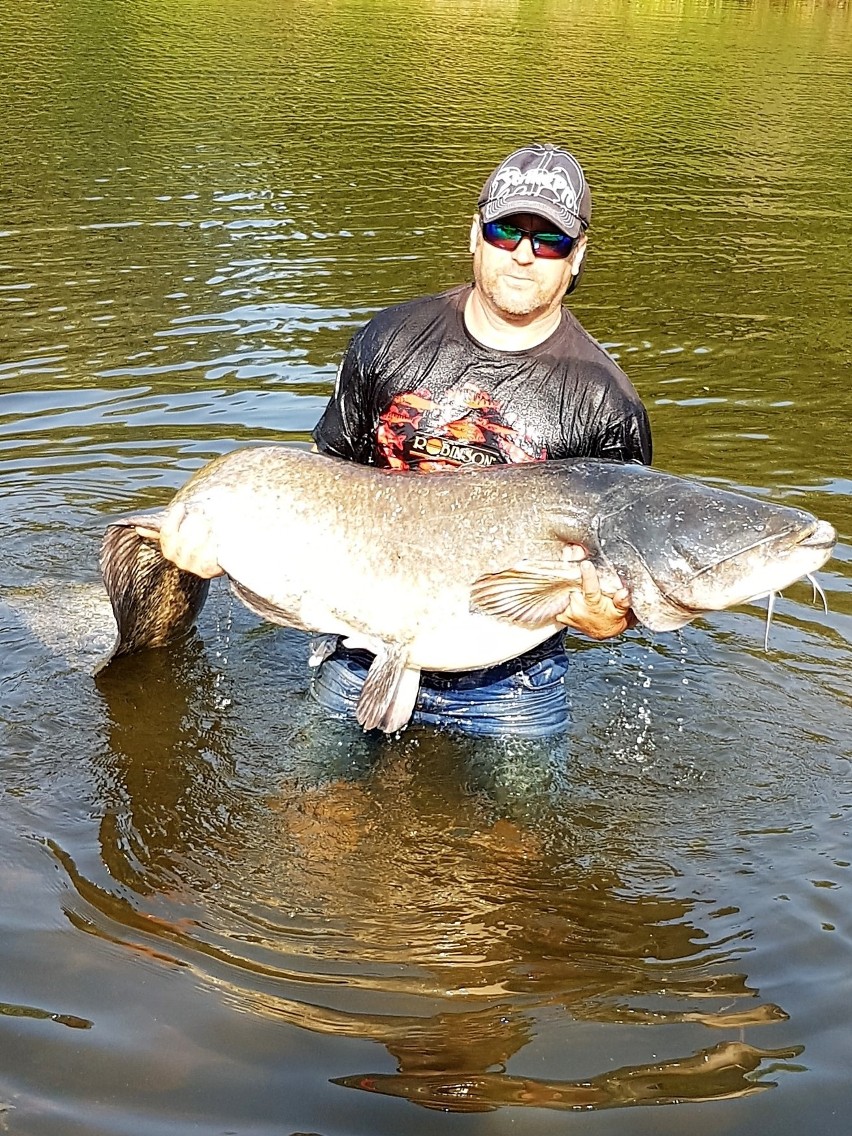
(593,612)
(590,583)
(573,553)
(621,599)
(170,527)
(147,534)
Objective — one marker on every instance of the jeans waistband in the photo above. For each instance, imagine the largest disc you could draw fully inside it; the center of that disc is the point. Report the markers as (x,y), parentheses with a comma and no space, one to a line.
(456,680)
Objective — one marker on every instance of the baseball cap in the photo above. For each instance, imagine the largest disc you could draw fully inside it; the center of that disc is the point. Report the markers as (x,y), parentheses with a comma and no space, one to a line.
(540,179)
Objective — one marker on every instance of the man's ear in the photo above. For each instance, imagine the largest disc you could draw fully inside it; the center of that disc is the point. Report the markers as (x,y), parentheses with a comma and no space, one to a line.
(474,233)
(577,256)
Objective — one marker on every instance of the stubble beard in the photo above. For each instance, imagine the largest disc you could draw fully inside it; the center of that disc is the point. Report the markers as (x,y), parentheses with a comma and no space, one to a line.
(512,303)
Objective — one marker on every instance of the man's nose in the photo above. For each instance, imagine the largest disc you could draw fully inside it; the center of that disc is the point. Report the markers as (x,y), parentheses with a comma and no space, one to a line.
(524,254)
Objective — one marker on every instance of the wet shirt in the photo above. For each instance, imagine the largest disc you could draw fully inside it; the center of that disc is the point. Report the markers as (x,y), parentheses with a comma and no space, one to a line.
(416,391)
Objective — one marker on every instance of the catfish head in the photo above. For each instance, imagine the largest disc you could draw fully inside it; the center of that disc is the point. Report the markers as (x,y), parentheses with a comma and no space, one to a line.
(684,548)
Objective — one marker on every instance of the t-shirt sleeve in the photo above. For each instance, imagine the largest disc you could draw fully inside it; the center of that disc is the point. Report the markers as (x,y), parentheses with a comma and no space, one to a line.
(626,438)
(345,429)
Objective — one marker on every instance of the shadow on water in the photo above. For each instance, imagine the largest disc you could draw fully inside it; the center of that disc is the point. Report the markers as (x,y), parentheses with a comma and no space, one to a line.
(429,894)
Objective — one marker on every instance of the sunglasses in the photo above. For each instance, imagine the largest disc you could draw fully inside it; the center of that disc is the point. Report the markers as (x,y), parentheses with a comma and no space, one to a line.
(550,246)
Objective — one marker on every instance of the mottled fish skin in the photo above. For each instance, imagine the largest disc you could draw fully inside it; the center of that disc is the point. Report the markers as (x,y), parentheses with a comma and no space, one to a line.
(450,571)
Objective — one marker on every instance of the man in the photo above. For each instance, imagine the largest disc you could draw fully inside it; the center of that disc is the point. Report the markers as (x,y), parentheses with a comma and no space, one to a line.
(497,371)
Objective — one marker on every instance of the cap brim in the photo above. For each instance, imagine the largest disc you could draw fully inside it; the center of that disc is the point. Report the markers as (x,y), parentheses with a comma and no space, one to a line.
(571,226)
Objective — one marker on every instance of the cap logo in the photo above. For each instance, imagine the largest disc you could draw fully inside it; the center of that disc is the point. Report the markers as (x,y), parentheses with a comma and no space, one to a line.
(534,183)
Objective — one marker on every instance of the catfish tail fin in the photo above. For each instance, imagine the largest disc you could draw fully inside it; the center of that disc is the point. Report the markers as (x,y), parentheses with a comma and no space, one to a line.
(153,601)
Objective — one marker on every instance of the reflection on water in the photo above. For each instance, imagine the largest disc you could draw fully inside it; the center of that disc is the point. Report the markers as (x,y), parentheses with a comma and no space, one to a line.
(404,879)
(461,907)
(722,1072)
(220,912)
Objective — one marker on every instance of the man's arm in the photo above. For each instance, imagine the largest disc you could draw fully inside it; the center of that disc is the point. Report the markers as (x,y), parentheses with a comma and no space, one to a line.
(344,430)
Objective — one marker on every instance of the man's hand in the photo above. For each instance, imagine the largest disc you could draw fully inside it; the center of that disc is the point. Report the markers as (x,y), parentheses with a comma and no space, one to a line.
(592,611)
(187,542)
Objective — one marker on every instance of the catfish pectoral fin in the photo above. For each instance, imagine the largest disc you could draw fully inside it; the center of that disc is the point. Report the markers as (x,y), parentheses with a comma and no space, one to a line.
(528,594)
(153,600)
(389,692)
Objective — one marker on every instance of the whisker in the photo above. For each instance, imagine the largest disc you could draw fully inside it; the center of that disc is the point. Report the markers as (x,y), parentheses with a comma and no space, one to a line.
(770,608)
(818,592)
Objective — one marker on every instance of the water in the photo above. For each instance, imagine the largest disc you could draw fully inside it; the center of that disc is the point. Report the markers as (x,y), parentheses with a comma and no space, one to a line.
(221,913)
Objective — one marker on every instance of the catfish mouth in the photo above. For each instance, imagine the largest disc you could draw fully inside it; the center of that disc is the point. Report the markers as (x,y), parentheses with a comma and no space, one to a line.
(822,535)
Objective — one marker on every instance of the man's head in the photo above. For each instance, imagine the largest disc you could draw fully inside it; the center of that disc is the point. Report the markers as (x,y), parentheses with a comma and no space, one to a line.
(528,237)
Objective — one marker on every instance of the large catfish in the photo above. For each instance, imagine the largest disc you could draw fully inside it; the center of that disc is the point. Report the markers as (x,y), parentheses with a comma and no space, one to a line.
(449,571)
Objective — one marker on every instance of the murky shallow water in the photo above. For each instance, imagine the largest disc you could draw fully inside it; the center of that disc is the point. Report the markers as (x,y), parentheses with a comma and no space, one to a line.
(222,913)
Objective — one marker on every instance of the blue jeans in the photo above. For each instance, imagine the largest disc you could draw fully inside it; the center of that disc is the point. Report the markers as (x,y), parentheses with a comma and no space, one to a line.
(525,697)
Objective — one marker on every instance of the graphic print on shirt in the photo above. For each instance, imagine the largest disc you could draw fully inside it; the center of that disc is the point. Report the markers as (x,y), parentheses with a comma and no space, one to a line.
(466,426)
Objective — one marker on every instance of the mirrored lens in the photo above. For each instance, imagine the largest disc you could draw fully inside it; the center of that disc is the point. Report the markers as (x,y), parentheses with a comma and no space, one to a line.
(507,237)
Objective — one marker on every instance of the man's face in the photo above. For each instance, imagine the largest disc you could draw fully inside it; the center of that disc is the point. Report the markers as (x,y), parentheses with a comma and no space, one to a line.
(518,285)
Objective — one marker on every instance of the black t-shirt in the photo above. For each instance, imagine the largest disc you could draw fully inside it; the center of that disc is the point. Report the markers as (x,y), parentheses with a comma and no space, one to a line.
(416,391)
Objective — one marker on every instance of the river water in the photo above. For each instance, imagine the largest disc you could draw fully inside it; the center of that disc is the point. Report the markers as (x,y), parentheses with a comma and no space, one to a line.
(221,913)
